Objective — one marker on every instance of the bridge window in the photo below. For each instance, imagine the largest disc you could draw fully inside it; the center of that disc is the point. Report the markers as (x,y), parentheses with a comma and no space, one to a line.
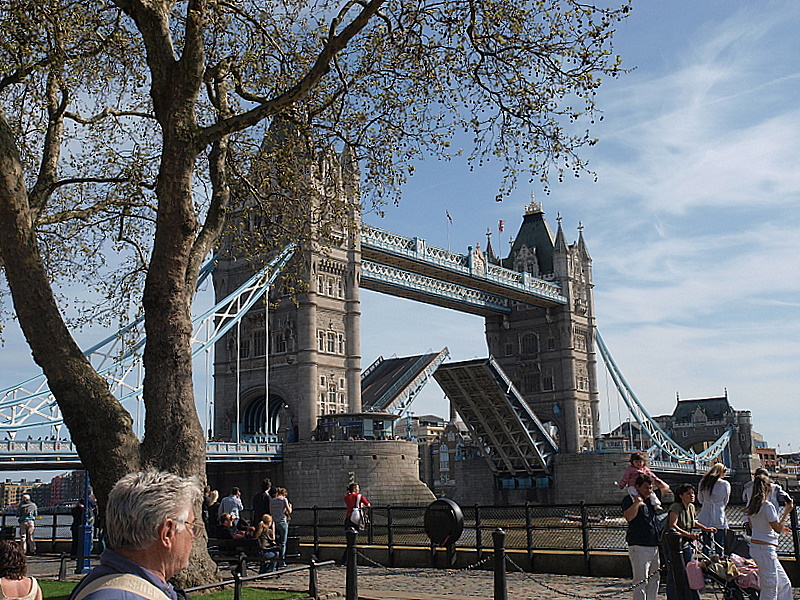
(551,343)
(530,343)
(321,341)
(259,342)
(332,342)
(332,394)
(444,458)
(340,338)
(244,348)
(280,343)
(322,380)
(341,287)
(509,349)
(547,382)
(531,381)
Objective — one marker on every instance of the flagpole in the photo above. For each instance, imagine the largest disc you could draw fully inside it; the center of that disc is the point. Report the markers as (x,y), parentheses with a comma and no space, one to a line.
(449,224)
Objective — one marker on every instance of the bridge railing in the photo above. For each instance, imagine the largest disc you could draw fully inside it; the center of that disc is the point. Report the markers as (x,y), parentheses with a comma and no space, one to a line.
(20,451)
(418,249)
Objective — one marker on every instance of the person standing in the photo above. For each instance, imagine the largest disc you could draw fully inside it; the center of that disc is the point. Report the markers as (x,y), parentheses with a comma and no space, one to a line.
(261,500)
(642,539)
(78,515)
(713,494)
(280,509)
(678,538)
(766,528)
(777,495)
(354,499)
(27,512)
(232,505)
(14,583)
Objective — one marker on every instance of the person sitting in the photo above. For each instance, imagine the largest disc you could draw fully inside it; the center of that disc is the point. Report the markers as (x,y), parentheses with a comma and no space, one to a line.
(265,534)
(225,529)
(14,584)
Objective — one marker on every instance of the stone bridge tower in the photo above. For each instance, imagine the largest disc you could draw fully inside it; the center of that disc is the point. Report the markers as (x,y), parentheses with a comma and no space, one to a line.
(549,352)
(311,337)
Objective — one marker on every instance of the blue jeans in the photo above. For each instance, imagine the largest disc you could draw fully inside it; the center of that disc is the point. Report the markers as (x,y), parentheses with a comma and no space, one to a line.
(281,535)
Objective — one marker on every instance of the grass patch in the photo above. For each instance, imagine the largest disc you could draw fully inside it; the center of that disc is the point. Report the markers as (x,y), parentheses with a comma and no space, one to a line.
(61,590)
(56,590)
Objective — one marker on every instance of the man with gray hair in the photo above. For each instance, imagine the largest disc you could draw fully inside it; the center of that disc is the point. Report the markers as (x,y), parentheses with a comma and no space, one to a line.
(150,526)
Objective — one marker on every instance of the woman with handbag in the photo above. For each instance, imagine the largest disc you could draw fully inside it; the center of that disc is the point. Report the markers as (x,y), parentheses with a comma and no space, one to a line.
(678,538)
(767,527)
(356,503)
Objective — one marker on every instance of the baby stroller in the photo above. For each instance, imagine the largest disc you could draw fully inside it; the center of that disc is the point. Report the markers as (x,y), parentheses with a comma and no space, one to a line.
(735,576)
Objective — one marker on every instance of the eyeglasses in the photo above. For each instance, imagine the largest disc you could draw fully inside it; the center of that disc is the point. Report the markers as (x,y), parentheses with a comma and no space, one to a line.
(195,528)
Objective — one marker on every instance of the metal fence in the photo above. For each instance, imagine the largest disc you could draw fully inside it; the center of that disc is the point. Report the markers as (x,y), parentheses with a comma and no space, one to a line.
(579,527)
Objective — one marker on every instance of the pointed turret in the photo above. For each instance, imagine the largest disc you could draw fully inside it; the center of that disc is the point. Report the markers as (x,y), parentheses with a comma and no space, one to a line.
(491,257)
(561,241)
(581,244)
(532,251)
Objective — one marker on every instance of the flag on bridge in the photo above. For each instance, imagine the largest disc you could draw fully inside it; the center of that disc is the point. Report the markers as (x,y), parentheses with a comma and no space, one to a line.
(449,218)
(501,225)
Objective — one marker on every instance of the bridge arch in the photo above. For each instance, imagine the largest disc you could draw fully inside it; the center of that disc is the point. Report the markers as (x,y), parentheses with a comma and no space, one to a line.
(260,418)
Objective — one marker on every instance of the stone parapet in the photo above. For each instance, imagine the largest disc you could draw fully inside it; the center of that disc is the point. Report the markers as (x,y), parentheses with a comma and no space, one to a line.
(589,477)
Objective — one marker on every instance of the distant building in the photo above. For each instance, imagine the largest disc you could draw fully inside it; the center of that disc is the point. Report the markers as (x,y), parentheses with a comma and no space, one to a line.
(696,424)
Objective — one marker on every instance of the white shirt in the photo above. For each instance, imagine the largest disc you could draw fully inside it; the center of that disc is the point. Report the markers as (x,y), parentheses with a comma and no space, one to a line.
(714,502)
(760,522)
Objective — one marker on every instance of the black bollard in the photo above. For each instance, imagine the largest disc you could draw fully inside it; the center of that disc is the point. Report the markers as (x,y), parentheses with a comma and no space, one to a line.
(500,586)
(351,592)
(312,579)
(237,585)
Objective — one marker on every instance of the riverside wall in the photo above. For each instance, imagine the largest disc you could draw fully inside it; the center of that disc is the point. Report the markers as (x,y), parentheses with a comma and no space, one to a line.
(318,473)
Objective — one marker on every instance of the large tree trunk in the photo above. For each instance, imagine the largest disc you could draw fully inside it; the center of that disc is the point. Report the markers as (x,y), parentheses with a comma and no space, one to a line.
(99,426)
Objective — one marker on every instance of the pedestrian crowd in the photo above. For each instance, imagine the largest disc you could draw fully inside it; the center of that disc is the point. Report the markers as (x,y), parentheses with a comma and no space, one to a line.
(680,532)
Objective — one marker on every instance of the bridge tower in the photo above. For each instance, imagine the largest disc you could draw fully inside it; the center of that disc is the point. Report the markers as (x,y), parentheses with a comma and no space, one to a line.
(312,337)
(549,352)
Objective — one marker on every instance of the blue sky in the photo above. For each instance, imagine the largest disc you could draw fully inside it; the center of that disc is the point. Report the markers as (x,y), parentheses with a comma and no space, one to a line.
(693,224)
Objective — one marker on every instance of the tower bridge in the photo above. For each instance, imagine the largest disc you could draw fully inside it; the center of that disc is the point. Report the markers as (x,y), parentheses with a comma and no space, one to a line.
(277,372)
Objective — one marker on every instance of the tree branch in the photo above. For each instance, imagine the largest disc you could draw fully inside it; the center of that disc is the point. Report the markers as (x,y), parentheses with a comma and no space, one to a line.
(318,70)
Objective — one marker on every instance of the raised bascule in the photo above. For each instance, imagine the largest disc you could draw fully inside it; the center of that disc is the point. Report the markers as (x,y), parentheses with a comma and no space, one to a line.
(290,399)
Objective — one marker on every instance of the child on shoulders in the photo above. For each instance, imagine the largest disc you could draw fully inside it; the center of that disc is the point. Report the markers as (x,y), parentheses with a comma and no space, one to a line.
(638,467)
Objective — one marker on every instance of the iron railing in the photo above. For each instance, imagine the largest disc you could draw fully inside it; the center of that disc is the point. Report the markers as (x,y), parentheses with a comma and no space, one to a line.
(579,527)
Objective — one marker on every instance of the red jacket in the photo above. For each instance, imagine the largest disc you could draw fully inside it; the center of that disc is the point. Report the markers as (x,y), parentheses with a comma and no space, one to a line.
(350,501)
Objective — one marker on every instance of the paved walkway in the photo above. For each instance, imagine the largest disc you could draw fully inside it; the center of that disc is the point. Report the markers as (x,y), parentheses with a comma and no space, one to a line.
(378,583)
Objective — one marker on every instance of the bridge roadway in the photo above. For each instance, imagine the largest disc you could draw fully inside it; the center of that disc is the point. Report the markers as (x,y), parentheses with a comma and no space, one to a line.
(47,455)
(411,268)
